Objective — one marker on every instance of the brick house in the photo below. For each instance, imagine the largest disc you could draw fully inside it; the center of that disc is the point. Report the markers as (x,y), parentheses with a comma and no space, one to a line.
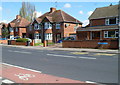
(2,27)
(103,25)
(53,26)
(18,27)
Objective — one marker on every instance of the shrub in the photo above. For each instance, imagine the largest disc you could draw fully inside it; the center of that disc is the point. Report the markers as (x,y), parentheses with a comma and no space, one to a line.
(21,40)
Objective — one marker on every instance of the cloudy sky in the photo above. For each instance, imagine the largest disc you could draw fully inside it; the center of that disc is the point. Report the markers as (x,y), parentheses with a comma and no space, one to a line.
(79,10)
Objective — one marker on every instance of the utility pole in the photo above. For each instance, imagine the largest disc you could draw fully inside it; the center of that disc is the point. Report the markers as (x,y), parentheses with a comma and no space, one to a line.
(119,22)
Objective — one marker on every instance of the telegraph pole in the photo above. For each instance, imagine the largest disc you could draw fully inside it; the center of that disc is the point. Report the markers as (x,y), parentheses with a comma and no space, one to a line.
(119,44)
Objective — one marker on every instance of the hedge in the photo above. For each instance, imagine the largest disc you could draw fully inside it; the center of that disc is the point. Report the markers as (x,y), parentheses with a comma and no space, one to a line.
(21,40)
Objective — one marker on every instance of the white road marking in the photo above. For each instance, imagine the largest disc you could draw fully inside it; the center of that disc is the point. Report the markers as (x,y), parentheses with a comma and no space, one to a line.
(7,81)
(22,68)
(24,76)
(90,82)
(71,56)
(20,52)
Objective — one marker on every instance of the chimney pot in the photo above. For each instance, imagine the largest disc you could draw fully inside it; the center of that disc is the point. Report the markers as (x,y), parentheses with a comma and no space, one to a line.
(52,9)
(18,17)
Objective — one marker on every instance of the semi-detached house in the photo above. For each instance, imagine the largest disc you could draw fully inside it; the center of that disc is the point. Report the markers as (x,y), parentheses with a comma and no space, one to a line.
(53,25)
(18,26)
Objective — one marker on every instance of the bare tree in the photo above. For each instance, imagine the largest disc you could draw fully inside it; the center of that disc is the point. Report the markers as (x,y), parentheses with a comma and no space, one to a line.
(27,11)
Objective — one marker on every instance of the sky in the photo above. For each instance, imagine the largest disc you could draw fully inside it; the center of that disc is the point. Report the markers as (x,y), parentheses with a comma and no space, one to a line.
(79,10)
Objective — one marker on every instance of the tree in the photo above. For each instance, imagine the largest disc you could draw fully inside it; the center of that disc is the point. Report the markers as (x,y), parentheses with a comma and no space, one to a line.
(5,32)
(27,11)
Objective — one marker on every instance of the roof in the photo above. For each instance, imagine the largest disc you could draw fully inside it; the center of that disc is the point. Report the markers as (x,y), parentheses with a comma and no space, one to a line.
(104,12)
(21,22)
(98,28)
(58,16)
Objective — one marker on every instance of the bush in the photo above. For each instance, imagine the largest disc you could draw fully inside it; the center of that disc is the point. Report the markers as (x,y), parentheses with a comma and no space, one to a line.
(21,40)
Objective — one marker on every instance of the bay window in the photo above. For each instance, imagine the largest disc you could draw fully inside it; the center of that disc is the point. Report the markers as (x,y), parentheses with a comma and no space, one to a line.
(47,25)
(37,36)
(48,36)
(110,34)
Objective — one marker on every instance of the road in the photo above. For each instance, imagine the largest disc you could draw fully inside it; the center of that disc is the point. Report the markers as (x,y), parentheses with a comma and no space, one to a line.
(83,66)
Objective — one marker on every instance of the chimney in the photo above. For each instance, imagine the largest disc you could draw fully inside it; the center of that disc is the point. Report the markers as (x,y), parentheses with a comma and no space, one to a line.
(52,9)
(18,17)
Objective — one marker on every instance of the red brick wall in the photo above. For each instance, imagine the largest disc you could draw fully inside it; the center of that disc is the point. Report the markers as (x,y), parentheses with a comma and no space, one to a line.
(112,44)
(3,41)
(22,30)
(97,22)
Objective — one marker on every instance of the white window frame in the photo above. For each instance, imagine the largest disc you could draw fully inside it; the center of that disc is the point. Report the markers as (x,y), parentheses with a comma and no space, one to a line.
(58,25)
(107,21)
(37,26)
(37,36)
(16,29)
(30,28)
(47,25)
(106,33)
(48,36)
(11,29)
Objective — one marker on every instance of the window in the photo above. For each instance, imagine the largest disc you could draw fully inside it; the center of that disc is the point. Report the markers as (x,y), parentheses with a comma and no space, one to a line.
(110,34)
(11,29)
(48,25)
(57,26)
(37,26)
(16,29)
(111,21)
(37,36)
(30,28)
(48,36)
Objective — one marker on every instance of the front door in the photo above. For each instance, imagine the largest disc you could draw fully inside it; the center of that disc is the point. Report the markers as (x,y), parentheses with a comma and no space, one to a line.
(23,35)
(58,36)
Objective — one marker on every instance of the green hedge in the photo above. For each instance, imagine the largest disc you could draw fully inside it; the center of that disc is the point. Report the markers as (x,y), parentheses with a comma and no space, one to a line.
(22,40)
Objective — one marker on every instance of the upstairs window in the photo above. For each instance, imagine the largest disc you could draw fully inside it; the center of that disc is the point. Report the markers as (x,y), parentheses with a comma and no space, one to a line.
(48,25)
(37,26)
(58,26)
(111,21)
(11,29)
(16,29)
(30,27)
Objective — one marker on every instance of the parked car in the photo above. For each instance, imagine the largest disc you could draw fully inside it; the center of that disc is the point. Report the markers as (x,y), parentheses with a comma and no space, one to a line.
(66,38)
(29,39)
(17,37)
(3,38)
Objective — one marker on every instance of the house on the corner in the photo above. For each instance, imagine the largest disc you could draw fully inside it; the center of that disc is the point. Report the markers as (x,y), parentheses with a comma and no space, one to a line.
(102,31)
(53,25)
(103,25)
(18,26)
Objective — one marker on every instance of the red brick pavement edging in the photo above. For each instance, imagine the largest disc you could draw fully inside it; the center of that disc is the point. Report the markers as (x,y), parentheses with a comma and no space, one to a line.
(21,75)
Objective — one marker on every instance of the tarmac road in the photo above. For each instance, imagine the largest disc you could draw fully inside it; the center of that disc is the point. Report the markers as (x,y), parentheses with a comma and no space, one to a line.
(83,66)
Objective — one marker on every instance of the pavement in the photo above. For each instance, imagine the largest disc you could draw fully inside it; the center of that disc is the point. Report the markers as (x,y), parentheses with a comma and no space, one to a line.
(15,74)
(59,47)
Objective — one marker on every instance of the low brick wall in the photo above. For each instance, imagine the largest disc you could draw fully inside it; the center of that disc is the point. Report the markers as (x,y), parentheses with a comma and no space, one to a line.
(111,44)
(13,42)
(3,41)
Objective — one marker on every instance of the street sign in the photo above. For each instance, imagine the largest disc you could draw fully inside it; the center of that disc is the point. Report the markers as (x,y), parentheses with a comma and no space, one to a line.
(102,43)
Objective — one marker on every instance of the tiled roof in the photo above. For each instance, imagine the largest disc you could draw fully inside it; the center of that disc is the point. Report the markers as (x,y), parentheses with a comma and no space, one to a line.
(58,16)
(104,12)
(21,22)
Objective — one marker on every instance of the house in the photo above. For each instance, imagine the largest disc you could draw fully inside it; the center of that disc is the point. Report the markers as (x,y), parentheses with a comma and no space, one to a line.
(101,32)
(53,25)
(103,25)
(18,26)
